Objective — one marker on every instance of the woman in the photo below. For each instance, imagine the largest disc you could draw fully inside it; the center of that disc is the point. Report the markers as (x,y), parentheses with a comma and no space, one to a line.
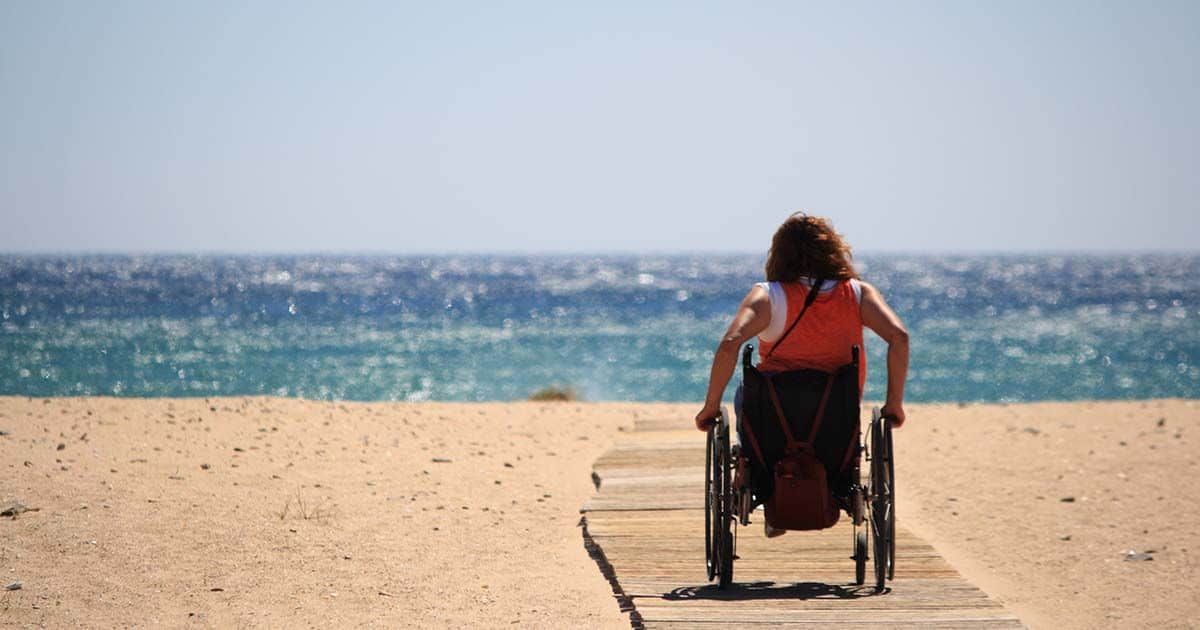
(805,249)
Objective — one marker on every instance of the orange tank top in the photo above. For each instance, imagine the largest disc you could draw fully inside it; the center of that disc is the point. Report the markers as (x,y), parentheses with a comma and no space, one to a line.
(825,335)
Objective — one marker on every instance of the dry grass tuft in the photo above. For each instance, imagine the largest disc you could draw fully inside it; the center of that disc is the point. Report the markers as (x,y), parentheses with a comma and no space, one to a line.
(297,507)
(555,393)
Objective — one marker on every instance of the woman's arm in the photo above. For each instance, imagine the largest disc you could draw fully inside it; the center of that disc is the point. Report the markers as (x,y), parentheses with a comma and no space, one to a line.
(879,317)
(753,316)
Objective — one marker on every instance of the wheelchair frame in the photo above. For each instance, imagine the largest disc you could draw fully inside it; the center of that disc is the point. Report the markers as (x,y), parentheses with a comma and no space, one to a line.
(727,502)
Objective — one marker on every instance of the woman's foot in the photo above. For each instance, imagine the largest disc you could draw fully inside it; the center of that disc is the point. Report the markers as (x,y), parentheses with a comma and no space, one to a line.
(771,532)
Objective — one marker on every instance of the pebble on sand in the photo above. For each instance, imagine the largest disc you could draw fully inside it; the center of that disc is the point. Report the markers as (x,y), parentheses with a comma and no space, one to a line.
(15,586)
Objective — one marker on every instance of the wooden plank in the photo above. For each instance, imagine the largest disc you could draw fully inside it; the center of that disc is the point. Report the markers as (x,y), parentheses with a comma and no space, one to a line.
(646,522)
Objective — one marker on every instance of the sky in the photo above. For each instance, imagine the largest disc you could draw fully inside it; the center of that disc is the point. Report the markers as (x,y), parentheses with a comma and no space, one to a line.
(558,127)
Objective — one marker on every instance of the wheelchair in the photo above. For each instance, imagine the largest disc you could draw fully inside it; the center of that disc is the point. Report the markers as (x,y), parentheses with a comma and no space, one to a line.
(740,477)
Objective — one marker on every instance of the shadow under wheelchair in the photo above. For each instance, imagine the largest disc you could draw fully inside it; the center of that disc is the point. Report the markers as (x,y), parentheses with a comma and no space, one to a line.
(770,590)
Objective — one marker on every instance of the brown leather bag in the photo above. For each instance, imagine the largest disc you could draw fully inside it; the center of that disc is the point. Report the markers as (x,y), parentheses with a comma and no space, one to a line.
(801,499)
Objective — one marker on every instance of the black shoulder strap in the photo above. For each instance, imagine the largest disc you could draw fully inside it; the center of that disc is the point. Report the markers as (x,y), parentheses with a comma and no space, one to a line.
(808,300)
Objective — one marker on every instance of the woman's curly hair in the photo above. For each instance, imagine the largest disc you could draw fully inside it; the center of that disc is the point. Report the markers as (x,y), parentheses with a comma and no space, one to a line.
(808,246)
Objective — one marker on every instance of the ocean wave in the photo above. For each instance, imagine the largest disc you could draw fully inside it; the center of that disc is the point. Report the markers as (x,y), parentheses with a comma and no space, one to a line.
(987,328)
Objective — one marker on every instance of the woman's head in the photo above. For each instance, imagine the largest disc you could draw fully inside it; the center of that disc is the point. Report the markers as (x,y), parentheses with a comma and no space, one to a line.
(806,246)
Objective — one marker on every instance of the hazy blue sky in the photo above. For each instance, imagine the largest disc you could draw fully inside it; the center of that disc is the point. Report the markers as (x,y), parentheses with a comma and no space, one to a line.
(599,126)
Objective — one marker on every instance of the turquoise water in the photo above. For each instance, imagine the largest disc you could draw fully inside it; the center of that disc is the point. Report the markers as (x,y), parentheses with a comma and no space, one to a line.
(638,328)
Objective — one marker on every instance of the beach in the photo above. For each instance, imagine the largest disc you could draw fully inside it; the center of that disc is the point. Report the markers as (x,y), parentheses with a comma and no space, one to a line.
(1076,515)
(274,512)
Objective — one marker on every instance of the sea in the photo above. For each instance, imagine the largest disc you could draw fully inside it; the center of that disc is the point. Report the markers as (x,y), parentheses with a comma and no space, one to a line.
(987,328)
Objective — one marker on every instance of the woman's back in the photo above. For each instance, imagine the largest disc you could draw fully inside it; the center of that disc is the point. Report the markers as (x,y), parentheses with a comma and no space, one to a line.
(823,338)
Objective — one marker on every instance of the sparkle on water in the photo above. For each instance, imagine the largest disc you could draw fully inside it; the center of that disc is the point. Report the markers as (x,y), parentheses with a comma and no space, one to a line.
(639,328)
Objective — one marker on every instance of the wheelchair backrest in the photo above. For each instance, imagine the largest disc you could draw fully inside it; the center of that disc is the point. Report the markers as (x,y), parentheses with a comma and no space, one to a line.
(799,394)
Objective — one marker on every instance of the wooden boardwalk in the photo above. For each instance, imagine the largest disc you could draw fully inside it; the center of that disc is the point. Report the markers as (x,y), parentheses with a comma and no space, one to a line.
(645,528)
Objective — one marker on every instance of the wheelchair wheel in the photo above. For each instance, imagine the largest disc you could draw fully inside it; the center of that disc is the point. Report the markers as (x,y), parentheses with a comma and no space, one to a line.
(860,536)
(718,504)
(891,460)
(710,517)
(882,518)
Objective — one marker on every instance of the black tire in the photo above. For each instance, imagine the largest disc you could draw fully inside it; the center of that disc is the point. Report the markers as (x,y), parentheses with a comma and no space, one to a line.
(891,461)
(710,505)
(880,500)
(718,505)
(724,524)
(860,555)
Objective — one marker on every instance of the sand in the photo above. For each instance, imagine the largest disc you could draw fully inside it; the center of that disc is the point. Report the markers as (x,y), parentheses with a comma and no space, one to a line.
(277,512)
(283,513)
(1041,504)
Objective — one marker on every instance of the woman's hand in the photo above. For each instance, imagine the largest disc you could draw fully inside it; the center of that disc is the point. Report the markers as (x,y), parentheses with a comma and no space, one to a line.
(895,412)
(707,417)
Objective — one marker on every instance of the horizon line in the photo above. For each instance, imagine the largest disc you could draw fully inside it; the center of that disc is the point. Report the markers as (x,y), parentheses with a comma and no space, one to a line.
(599,253)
